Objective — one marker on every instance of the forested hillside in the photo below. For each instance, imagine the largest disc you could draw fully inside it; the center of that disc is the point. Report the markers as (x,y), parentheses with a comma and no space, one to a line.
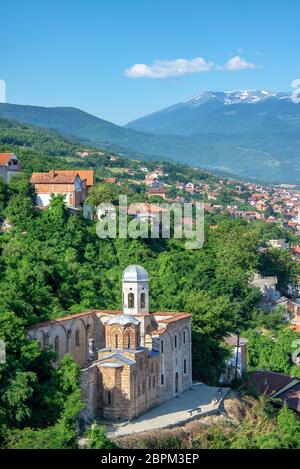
(259,141)
(52,263)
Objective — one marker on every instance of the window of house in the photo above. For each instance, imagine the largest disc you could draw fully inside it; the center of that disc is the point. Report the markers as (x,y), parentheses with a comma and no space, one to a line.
(162,378)
(151,367)
(130,300)
(143,388)
(56,344)
(184,366)
(162,346)
(154,382)
(77,340)
(109,398)
(116,340)
(143,300)
(175,341)
(184,337)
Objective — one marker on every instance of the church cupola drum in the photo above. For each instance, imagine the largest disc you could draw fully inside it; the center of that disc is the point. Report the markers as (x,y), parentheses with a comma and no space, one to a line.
(135,286)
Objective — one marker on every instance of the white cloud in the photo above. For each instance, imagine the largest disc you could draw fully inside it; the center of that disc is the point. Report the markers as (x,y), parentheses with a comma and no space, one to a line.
(169,68)
(238,63)
(175,68)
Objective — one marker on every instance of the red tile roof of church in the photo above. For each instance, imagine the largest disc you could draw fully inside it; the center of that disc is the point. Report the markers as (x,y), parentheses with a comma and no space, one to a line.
(174,317)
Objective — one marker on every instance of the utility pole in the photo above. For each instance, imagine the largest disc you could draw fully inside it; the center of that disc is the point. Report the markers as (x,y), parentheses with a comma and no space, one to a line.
(237,354)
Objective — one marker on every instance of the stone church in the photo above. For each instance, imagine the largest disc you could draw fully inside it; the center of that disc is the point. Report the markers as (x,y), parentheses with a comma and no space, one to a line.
(130,360)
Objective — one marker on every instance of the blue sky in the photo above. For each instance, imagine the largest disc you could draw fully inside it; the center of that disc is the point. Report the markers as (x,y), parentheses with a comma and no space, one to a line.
(88,54)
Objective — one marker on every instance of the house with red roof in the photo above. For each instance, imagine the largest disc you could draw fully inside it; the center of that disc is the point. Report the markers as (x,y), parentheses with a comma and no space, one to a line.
(9,165)
(160,191)
(73,184)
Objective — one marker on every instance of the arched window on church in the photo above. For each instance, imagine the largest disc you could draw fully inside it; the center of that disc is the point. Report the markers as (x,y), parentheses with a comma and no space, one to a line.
(184,337)
(130,300)
(184,366)
(56,344)
(116,341)
(77,339)
(143,300)
(128,340)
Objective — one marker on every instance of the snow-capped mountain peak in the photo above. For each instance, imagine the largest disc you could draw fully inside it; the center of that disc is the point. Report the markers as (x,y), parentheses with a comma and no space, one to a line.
(235,97)
(247,96)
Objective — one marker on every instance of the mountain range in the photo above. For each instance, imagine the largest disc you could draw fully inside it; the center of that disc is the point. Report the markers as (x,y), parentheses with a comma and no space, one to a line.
(250,134)
(230,113)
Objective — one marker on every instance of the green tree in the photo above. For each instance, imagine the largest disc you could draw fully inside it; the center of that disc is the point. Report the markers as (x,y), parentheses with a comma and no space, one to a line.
(97,438)
(3,197)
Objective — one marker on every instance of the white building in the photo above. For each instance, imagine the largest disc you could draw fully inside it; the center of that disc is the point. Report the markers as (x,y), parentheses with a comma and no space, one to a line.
(9,165)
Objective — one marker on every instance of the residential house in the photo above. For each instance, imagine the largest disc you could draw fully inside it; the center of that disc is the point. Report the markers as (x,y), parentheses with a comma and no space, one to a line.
(189,187)
(236,364)
(153,181)
(271,297)
(279,387)
(159,171)
(111,180)
(9,165)
(73,184)
(160,191)
(278,243)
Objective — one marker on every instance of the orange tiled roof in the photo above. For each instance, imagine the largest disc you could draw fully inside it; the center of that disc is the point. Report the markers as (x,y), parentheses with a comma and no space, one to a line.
(5,157)
(158,190)
(63,177)
(174,317)
(294,327)
(87,174)
(53,177)
(159,331)
(72,316)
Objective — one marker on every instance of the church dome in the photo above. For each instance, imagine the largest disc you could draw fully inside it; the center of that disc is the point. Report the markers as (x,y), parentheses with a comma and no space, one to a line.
(123,319)
(135,273)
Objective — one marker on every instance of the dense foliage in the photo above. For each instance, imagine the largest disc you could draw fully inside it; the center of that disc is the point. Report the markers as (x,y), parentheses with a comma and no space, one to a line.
(52,263)
(96,438)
